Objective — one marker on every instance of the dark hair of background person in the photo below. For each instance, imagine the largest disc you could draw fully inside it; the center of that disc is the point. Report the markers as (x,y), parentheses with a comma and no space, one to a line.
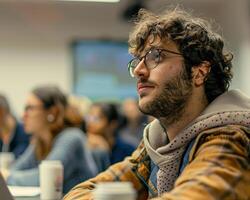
(111,112)
(52,96)
(196,42)
(4,105)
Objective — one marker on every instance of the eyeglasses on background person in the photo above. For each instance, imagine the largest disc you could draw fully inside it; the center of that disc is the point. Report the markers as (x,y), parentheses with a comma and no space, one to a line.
(28,108)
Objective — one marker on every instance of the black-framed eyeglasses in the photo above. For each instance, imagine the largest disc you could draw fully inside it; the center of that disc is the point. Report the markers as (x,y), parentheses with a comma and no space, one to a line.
(151,59)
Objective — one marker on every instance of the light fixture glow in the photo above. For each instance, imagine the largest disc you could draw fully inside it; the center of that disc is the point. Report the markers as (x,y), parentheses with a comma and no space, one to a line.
(104,1)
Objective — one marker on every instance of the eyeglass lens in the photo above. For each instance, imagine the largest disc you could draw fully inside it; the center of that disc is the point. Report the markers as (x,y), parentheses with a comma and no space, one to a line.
(151,60)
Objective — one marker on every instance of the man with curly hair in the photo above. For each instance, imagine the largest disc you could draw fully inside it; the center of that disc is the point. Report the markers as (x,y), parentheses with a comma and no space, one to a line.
(198,146)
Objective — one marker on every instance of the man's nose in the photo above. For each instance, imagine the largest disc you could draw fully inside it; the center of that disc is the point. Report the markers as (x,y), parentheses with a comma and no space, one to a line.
(141,70)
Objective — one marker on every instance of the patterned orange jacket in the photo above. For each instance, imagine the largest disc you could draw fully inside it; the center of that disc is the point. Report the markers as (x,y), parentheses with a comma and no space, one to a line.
(218,168)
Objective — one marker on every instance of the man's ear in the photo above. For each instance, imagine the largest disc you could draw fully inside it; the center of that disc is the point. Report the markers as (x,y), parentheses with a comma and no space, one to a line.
(200,73)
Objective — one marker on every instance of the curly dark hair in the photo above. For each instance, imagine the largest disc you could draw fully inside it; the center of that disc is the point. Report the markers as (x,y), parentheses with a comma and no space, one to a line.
(195,40)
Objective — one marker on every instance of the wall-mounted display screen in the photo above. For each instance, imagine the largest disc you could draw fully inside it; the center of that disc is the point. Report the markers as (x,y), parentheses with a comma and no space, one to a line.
(100,70)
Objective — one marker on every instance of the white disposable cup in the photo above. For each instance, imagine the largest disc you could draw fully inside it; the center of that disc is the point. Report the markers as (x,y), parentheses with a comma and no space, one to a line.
(6,159)
(51,179)
(114,191)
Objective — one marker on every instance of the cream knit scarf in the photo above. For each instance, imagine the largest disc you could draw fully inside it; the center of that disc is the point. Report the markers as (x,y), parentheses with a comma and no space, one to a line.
(167,155)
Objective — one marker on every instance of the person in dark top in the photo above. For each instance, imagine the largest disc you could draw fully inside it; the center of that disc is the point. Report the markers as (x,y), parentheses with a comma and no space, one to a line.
(120,150)
(12,135)
(133,123)
(102,124)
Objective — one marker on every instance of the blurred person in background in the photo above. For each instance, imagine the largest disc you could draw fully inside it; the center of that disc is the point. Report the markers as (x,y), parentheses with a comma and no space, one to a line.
(102,125)
(80,106)
(76,115)
(12,135)
(134,122)
(55,136)
(198,145)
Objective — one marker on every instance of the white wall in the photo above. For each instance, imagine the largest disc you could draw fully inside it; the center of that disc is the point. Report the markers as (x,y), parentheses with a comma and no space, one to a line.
(244,67)
(27,63)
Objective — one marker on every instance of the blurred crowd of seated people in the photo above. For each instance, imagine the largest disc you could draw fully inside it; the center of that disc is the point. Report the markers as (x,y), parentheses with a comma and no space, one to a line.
(86,137)
(55,136)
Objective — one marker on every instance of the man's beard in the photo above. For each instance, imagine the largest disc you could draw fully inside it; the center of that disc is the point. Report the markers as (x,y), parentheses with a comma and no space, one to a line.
(170,103)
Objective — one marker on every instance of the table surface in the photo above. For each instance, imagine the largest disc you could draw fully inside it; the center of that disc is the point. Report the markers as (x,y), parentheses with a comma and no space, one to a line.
(27,198)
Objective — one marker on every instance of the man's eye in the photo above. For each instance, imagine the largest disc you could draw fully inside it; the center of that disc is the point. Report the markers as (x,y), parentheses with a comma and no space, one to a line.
(157,57)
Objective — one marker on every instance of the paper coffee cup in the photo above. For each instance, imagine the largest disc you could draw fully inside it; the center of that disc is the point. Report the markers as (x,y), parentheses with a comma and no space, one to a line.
(6,159)
(51,179)
(114,191)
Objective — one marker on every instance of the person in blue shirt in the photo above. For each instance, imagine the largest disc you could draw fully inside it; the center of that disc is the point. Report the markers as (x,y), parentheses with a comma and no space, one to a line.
(12,135)
(55,136)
